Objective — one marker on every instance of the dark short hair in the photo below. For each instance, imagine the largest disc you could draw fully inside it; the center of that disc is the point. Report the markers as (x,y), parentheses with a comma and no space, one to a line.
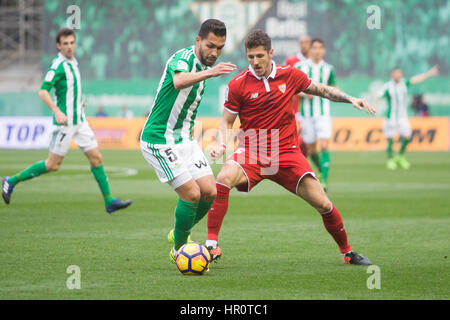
(215,26)
(258,38)
(317,40)
(396,68)
(64,33)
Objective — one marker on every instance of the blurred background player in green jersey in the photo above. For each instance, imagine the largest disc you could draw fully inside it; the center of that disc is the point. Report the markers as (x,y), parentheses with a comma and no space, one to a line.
(69,123)
(314,111)
(396,120)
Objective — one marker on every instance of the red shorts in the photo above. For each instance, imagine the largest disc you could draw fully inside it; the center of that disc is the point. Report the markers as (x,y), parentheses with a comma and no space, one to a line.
(287,170)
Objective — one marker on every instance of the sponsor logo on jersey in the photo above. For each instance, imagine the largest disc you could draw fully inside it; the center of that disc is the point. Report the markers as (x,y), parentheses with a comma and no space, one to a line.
(254,95)
(182,65)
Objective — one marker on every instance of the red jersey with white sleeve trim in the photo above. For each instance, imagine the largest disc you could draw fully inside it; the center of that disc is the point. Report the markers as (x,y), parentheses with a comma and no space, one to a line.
(264,106)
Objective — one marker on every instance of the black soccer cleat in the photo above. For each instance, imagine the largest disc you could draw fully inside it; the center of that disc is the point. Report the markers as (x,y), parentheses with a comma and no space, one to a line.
(214,253)
(355,258)
(7,190)
(117,204)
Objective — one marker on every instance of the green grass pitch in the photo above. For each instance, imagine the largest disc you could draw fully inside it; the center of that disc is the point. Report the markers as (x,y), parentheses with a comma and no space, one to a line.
(274,245)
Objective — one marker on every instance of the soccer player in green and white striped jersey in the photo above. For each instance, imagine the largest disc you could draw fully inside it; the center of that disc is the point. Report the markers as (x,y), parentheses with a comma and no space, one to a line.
(396,119)
(166,140)
(69,123)
(315,116)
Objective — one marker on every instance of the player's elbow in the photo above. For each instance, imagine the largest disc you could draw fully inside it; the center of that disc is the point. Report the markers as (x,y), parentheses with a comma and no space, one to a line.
(178,82)
(178,85)
(42,93)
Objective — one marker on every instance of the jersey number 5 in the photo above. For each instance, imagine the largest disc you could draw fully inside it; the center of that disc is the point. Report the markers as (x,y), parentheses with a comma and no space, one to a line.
(170,155)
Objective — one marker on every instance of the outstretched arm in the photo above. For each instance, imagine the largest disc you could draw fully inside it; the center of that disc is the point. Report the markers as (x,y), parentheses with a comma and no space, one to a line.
(424,76)
(183,80)
(336,95)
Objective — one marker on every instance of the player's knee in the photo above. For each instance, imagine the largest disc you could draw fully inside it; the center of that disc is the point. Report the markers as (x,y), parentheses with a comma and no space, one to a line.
(324,147)
(193,195)
(310,149)
(209,194)
(52,165)
(324,207)
(96,160)
(224,178)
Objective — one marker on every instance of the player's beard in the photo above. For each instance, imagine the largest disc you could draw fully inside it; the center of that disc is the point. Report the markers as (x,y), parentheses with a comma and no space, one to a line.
(204,60)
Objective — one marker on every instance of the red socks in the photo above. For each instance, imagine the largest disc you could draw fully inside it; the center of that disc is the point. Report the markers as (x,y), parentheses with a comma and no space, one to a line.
(332,220)
(335,226)
(218,211)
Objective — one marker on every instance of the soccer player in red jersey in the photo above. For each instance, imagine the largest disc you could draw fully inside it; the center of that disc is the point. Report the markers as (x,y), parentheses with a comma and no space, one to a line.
(268,142)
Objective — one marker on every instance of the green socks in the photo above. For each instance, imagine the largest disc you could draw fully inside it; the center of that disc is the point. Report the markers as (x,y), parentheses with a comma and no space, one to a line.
(389,151)
(39,168)
(315,159)
(405,142)
(185,214)
(31,172)
(102,180)
(202,210)
(325,164)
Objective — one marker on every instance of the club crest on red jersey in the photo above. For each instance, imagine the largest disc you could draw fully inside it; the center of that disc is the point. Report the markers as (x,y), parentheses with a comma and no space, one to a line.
(282,87)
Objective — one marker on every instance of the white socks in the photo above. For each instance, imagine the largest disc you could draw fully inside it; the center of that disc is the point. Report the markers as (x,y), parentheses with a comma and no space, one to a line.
(211,243)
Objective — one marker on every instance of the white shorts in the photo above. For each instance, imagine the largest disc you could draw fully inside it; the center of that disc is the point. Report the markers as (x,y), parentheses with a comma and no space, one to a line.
(176,163)
(81,134)
(392,126)
(315,128)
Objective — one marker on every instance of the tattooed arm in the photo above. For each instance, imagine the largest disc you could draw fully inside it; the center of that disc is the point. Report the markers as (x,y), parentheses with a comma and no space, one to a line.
(334,94)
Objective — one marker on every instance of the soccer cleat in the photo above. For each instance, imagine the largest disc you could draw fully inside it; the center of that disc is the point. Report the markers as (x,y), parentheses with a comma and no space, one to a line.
(215,253)
(402,162)
(117,204)
(173,255)
(7,190)
(355,258)
(171,239)
(391,164)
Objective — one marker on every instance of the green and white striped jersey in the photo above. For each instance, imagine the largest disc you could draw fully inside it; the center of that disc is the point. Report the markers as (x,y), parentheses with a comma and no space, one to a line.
(173,112)
(64,75)
(320,73)
(396,95)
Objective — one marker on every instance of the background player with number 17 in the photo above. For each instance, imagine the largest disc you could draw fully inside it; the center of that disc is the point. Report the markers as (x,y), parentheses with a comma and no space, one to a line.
(69,123)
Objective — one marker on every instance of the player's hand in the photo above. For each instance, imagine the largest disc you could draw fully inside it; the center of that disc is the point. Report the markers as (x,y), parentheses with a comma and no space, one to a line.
(217,151)
(222,68)
(434,71)
(60,118)
(362,104)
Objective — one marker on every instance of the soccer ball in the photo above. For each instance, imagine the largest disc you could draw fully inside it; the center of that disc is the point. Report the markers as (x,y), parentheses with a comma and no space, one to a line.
(193,259)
